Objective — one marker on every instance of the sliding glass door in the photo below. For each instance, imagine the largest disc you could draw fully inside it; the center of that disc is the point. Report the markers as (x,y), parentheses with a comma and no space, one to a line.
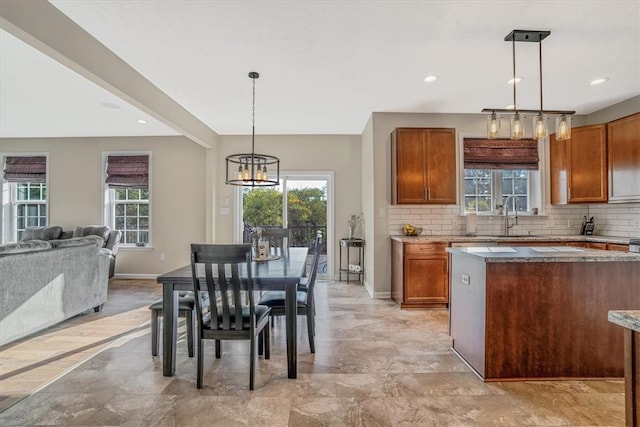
(302,203)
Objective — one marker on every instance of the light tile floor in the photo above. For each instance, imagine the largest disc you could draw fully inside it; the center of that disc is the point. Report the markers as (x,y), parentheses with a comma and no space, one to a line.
(375,365)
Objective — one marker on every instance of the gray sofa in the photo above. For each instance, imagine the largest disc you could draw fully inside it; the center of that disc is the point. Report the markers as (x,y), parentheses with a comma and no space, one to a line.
(45,282)
(110,239)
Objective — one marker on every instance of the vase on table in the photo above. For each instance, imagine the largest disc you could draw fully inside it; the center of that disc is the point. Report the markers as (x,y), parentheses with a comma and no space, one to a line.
(352,232)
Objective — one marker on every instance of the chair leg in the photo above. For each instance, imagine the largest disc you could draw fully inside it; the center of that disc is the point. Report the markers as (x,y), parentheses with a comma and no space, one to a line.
(261,343)
(200,364)
(154,332)
(188,317)
(267,341)
(311,329)
(252,362)
(218,349)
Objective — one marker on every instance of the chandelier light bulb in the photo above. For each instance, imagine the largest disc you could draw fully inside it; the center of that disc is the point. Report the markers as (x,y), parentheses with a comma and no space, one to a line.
(517,127)
(493,126)
(563,127)
(539,127)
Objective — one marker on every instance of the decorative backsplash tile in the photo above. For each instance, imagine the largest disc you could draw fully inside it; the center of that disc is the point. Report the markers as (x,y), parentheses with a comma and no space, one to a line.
(619,220)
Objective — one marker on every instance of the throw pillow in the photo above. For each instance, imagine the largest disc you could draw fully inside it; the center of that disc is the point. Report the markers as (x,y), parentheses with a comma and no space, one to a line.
(50,232)
(95,230)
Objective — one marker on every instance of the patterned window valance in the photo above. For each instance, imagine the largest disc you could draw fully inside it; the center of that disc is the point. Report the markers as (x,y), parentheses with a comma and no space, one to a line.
(25,169)
(128,171)
(500,154)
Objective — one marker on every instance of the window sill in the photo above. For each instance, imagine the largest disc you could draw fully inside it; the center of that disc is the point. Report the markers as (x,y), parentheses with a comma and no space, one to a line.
(134,248)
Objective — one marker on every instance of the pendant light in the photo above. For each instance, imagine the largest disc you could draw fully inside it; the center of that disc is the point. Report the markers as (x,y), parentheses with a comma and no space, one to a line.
(252,169)
(540,130)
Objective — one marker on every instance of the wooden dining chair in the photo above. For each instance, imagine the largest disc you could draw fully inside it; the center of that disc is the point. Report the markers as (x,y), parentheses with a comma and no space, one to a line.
(278,239)
(305,299)
(215,270)
(186,309)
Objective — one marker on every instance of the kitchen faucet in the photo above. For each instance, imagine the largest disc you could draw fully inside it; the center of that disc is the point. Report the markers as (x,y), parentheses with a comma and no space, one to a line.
(507,226)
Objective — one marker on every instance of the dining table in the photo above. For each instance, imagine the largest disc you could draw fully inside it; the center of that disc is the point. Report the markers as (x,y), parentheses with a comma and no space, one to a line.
(281,273)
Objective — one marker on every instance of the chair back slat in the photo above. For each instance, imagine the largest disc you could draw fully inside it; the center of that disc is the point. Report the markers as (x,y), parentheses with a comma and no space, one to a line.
(278,238)
(314,270)
(221,264)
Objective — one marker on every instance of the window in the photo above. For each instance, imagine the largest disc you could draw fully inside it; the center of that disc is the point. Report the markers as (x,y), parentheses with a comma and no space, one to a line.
(485,189)
(24,195)
(30,205)
(495,169)
(127,196)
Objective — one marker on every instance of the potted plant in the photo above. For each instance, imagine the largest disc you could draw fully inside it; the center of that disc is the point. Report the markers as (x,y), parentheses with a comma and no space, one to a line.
(500,208)
(354,222)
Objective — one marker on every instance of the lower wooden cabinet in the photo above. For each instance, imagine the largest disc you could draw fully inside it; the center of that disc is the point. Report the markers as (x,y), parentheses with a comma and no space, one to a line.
(420,274)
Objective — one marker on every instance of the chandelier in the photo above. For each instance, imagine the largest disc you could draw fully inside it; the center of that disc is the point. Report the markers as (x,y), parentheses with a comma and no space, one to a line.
(563,118)
(252,169)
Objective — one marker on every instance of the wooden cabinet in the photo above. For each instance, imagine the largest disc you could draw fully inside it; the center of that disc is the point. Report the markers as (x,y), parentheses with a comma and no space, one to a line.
(623,149)
(423,166)
(420,274)
(617,247)
(597,245)
(579,166)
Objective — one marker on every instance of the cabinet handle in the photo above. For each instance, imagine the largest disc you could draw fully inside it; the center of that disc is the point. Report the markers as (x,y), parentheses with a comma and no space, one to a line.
(428,193)
(569,193)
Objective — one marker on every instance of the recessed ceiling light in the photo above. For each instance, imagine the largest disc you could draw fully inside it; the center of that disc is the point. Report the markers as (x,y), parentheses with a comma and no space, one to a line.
(599,81)
(110,105)
(516,80)
(430,79)
(142,122)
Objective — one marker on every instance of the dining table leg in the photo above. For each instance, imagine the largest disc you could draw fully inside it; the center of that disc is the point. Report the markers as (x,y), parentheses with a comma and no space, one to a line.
(291,312)
(169,329)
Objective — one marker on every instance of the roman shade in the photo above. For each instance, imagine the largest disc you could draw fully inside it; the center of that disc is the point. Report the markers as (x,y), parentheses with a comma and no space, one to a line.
(128,171)
(25,169)
(480,153)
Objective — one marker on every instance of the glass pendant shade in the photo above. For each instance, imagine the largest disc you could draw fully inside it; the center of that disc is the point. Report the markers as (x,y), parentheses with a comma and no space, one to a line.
(493,126)
(563,127)
(517,127)
(539,127)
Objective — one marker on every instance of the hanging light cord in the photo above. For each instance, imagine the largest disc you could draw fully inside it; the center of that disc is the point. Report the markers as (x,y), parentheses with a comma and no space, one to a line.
(540,61)
(253,76)
(513,44)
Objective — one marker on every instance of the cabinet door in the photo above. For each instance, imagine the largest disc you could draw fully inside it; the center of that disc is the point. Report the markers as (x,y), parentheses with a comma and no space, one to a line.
(587,164)
(441,166)
(623,148)
(558,171)
(426,279)
(597,245)
(617,247)
(423,166)
(408,149)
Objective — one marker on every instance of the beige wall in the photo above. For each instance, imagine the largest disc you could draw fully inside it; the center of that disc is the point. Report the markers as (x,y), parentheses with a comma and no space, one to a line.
(178,200)
(340,154)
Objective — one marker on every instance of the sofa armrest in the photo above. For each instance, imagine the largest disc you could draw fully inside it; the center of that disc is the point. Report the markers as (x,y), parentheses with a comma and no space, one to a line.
(113,242)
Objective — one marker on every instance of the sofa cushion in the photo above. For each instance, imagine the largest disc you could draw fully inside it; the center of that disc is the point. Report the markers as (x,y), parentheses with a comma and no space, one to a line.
(95,230)
(28,246)
(79,241)
(50,232)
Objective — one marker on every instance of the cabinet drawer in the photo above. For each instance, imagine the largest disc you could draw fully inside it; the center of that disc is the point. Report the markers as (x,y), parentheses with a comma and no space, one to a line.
(430,248)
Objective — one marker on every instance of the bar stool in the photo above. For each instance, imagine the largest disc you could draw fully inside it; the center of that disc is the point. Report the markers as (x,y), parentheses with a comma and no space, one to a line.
(186,307)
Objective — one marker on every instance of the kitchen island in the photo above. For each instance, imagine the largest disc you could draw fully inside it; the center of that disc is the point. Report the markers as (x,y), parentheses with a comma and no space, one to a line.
(540,312)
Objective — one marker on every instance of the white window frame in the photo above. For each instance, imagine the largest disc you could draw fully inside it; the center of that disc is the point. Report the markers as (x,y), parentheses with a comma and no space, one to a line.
(108,216)
(9,202)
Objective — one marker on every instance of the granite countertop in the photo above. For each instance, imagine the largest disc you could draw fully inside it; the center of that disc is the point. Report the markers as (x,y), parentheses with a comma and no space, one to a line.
(544,254)
(533,238)
(629,319)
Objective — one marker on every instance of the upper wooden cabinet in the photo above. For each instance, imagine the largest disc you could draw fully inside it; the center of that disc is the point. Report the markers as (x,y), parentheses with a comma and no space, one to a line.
(623,148)
(423,166)
(579,166)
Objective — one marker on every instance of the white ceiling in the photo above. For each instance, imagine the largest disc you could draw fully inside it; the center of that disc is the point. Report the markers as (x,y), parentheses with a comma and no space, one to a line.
(325,66)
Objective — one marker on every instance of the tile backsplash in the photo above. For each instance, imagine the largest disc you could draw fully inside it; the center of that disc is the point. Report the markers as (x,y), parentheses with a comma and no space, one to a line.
(615,220)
